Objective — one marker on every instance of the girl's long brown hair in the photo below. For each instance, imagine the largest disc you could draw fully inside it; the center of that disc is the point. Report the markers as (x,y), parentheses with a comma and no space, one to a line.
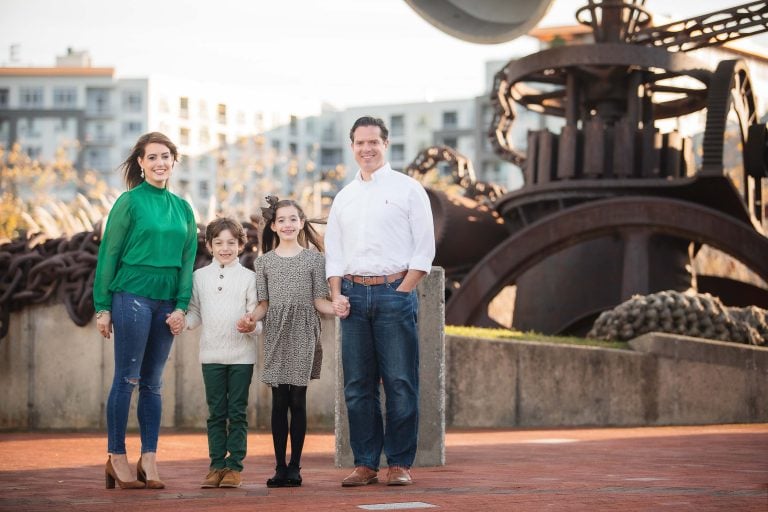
(270,240)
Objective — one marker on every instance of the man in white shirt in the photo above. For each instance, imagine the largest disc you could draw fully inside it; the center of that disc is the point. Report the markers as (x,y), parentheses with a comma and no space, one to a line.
(379,243)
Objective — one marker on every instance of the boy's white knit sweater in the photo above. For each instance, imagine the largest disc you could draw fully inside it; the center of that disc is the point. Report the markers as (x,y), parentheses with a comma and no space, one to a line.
(221,295)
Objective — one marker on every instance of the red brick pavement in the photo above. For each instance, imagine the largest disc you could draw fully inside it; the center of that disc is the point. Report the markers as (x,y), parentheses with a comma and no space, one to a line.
(706,468)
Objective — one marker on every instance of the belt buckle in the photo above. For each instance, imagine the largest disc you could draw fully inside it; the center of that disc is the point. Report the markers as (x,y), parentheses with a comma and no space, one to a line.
(365,280)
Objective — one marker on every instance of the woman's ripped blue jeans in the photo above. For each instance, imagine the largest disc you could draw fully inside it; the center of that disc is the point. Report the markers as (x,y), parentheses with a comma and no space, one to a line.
(142,343)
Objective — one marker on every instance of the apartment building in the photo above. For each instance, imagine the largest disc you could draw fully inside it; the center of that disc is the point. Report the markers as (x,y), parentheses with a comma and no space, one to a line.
(92,117)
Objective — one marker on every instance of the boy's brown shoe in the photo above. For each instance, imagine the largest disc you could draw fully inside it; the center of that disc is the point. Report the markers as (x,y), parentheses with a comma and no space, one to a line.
(230,478)
(362,475)
(212,479)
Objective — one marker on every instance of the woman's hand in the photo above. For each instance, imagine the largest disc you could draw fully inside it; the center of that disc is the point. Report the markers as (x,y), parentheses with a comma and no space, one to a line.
(176,322)
(104,323)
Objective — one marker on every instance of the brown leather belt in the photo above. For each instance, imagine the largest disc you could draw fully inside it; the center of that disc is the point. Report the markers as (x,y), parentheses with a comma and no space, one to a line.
(375,280)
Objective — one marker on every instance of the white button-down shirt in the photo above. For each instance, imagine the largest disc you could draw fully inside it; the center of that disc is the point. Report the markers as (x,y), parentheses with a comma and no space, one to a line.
(380,227)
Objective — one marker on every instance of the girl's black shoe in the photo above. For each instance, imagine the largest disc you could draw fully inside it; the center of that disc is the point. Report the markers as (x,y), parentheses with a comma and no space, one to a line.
(279,480)
(293,476)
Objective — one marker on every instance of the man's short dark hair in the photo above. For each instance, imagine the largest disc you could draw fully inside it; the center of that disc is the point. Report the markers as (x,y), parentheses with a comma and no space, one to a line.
(369,121)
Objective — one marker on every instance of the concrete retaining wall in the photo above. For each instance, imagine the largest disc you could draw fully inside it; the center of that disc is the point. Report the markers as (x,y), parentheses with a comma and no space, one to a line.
(663,380)
(56,375)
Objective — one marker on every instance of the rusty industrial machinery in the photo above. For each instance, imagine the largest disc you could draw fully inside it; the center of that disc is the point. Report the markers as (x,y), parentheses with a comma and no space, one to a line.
(468,216)
(612,205)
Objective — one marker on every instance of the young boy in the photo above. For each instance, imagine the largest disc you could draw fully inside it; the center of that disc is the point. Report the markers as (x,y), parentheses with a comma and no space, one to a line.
(222,293)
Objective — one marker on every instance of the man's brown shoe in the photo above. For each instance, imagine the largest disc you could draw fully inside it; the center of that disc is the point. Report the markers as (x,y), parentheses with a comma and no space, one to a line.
(230,478)
(362,475)
(212,479)
(399,475)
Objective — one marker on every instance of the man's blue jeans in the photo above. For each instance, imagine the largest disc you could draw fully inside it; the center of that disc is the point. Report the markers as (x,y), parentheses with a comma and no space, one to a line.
(142,343)
(380,343)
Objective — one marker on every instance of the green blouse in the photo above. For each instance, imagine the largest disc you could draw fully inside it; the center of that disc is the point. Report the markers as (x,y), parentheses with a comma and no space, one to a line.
(148,248)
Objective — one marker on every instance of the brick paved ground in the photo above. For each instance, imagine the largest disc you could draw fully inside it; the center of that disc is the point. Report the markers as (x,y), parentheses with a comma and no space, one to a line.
(650,469)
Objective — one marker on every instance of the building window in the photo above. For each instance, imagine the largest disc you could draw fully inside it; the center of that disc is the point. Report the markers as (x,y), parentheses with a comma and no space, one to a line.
(184,107)
(97,159)
(491,171)
(450,120)
(293,148)
(487,115)
(397,152)
(397,125)
(276,146)
(330,157)
(31,97)
(132,101)
(184,136)
(205,136)
(293,125)
(5,131)
(329,132)
(65,97)
(4,93)
(202,187)
(221,112)
(451,142)
(29,127)
(98,101)
(309,126)
(222,140)
(187,160)
(131,127)
(34,152)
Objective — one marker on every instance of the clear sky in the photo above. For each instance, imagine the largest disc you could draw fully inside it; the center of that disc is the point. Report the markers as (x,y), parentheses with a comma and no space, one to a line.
(345,52)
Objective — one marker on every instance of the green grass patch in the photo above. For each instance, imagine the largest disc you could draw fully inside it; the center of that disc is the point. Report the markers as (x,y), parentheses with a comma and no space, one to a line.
(508,334)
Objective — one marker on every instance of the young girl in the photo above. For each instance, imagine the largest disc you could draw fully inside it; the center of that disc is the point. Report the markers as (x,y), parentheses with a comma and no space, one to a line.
(222,293)
(290,280)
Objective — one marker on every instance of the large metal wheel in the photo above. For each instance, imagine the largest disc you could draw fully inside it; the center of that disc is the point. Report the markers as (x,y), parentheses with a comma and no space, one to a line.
(632,218)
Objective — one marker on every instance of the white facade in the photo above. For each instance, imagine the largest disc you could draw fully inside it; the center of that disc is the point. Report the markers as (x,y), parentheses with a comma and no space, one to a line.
(95,118)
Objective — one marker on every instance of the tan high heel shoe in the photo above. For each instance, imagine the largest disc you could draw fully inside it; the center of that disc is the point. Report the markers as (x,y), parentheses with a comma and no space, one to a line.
(110,477)
(142,477)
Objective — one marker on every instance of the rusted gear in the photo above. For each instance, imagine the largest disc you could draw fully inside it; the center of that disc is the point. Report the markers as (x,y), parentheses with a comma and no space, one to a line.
(730,90)
(611,80)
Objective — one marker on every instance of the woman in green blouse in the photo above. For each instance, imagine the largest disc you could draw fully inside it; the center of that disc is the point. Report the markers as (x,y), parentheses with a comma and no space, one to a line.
(141,290)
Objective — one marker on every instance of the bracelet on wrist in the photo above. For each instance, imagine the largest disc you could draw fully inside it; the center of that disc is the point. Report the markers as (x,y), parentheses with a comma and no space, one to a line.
(182,311)
(101,312)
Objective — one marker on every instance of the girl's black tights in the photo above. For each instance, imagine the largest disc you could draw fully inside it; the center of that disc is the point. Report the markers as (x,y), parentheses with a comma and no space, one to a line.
(294,398)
